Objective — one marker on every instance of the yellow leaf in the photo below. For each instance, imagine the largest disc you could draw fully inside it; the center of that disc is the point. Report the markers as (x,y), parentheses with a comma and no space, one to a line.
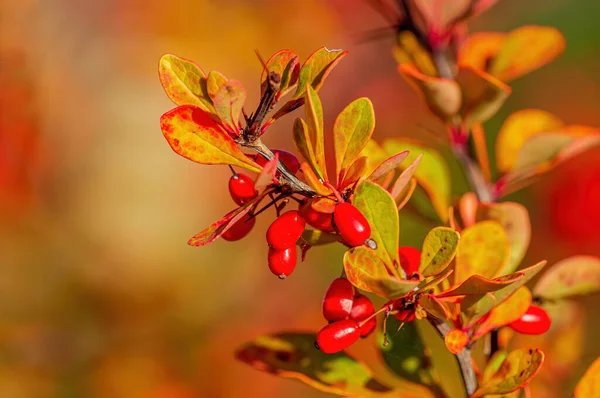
(589,385)
(506,312)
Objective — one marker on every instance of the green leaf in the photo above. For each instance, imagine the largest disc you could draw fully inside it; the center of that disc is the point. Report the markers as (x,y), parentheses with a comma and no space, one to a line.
(432,174)
(228,102)
(439,247)
(194,134)
(571,277)
(482,95)
(379,208)
(304,146)
(406,354)
(315,237)
(483,251)
(365,270)
(352,130)
(184,82)
(514,219)
(314,122)
(316,68)
(519,367)
(293,355)
(589,385)
(474,307)
(285,64)
(214,82)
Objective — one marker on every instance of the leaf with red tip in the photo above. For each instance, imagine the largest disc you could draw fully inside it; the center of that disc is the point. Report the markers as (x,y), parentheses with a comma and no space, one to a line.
(375,153)
(285,64)
(387,166)
(506,312)
(293,355)
(184,82)
(194,134)
(432,173)
(589,385)
(379,208)
(482,95)
(218,228)
(477,285)
(439,247)
(313,180)
(316,68)
(571,277)
(228,102)
(365,270)
(352,130)
(474,307)
(405,178)
(442,96)
(514,219)
(214,81)
(267,174)
(354,173)
(519,367)
(483,251)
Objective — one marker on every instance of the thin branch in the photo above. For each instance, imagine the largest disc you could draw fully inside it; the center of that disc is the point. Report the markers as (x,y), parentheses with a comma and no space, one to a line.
(473,173)
(463,358)
(296,184)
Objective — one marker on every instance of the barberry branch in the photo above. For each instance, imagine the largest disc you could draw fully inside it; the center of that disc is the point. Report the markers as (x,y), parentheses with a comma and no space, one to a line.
(464,357)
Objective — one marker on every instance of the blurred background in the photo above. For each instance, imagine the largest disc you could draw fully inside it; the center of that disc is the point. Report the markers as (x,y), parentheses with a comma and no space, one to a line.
(99,294)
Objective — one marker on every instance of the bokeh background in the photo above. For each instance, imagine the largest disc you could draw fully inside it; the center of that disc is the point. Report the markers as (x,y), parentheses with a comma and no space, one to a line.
(99,294)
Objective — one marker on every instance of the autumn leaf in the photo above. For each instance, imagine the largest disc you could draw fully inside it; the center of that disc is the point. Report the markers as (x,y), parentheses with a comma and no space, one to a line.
(379,208)
(218,228)
(456,341)
(365,270)
(439,247)
(184,82)
(228,103)
(506,312)
(316,68)
(517,369)
(387,166)
(589,385)
(432,172)
(571,277)
(478,285)
(214,81)
(351,131)
(483,251)
(314,123)
(293,355)
(285,64)
(195,135)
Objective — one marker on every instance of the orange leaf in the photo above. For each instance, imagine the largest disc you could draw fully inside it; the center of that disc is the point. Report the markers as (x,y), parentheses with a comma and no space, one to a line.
(476,285)
(228,103)
(218,228)
(354,173)
(214,81)
(285,64)
(506,312)
(442,96)
(195,135)
(589,385)
(519,367)
(433,306)
(456,340)
(267,174)
(387,166)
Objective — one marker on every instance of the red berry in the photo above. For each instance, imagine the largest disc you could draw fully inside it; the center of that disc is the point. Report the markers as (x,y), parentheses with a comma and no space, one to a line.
(285,231)
(361,310)
(337,336)
(338,300)
(351,224)
(240,229)
(316,219)
(282,262)
(241,188)
(534,321)
(410,259)
(288,159)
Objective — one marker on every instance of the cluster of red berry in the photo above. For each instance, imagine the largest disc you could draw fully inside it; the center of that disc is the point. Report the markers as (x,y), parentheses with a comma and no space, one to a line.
(283,234)
(352,315)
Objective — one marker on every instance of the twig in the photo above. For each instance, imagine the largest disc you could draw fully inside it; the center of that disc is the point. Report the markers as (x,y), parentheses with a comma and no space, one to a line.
(463,358)
(473,173)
